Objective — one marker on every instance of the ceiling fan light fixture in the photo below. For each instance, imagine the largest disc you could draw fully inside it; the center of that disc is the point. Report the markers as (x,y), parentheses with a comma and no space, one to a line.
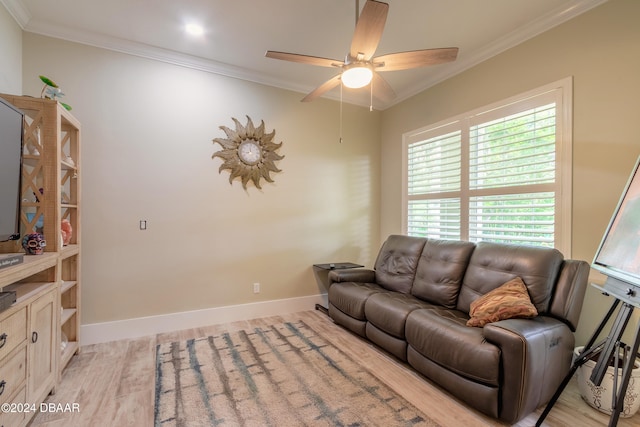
(357,77)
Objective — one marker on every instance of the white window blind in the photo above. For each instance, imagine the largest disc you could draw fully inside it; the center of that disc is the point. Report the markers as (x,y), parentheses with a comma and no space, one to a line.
(514,150)
(437,218)
(513,218)
(434,164)
(497,174)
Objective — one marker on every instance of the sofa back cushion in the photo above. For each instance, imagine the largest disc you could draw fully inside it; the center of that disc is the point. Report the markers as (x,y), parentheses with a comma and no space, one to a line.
(397,261)
(440,271)
(493,264)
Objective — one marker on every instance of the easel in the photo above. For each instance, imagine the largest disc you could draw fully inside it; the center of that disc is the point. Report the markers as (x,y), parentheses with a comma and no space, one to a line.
(608,350)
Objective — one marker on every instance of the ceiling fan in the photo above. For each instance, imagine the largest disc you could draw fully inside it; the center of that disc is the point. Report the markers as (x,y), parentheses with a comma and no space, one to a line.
(360,67)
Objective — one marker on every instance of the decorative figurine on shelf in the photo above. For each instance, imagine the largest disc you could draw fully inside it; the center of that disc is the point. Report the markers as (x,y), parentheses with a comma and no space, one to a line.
(52,91)
(34,244)
(67,231)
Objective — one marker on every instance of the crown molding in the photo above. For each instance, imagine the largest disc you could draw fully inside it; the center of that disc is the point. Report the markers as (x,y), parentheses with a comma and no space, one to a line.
(155,53)
(522,34)
(23,17)
(18,10)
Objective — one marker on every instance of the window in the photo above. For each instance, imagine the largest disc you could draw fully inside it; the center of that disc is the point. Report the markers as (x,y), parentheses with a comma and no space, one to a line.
(500,173)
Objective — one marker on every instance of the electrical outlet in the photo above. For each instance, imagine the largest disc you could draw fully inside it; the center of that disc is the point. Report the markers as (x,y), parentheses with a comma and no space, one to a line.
(256,288)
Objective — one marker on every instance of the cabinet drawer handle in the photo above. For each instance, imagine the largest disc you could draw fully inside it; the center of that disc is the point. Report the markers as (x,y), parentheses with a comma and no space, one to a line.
(2,384)
(3,340)
(34,337)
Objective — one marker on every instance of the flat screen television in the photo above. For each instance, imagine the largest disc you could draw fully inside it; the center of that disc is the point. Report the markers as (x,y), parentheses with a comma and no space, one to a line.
(619,253)
(11,131)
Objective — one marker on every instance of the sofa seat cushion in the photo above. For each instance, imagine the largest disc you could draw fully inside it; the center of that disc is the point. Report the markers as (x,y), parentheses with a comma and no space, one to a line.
(442,336)
(350,297)
(354,325)
(388,311)
(395,346)
(480,396)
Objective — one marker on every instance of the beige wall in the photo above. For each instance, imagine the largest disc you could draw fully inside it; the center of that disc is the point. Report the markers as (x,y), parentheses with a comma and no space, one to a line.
(601,50)
(147,130)
(10,54)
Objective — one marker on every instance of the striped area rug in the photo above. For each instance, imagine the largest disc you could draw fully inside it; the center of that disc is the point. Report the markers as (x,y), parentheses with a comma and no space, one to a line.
(283,375)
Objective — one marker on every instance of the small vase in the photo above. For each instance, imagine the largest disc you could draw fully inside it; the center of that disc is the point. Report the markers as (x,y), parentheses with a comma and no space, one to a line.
(600,397)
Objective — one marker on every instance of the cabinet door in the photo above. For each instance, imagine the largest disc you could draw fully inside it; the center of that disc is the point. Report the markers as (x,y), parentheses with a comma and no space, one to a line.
(42,361)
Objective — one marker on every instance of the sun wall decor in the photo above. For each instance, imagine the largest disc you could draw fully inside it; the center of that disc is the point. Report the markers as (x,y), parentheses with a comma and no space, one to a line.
(248,152)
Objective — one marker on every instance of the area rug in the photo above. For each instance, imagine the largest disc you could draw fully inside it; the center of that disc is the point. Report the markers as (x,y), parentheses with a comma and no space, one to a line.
(282,375)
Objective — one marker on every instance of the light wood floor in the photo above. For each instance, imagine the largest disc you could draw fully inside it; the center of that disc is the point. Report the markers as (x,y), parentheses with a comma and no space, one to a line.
(113,383)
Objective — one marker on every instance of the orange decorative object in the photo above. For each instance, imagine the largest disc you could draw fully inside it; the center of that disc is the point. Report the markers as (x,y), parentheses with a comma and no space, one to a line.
(67,232)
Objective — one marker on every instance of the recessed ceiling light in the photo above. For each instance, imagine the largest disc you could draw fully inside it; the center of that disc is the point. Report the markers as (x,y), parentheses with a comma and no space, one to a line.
(194,29)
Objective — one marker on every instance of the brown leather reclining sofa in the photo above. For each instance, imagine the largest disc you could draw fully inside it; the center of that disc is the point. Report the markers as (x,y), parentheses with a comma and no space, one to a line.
(415,304)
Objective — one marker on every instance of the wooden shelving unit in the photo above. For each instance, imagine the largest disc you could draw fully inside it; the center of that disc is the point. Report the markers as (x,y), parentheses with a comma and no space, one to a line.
(29,362)
(50,195)
(70,304)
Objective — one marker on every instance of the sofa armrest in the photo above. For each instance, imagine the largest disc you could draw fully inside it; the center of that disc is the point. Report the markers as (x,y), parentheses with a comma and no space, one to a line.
(360,275)
(569,293)
(536,356)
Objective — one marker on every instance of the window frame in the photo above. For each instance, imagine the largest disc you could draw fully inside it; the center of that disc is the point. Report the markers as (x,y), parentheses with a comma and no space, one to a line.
(560,92)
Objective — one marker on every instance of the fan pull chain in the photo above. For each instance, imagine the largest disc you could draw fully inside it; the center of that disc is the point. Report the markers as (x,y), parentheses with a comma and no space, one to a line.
(371,96)
(340,112)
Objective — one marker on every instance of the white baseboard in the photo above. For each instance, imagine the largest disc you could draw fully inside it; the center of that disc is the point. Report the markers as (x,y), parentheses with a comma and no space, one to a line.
(95,333)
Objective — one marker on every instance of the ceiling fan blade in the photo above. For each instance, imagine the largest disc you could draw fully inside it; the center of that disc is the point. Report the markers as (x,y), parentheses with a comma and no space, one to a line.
(415,59)
(381,89)
(304,59)
(369,30)
(324,87)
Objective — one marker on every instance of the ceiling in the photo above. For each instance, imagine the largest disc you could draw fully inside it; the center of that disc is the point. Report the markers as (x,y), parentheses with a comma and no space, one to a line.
(239,32)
